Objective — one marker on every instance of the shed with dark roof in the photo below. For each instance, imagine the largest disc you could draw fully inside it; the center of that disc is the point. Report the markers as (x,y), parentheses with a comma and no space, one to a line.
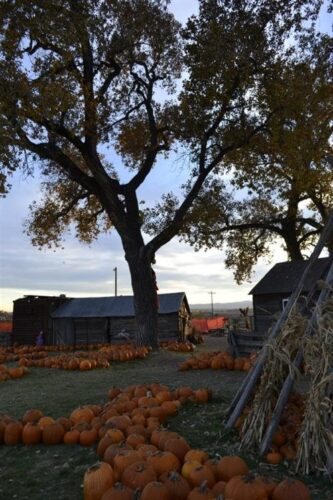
(96,320)
(272,292)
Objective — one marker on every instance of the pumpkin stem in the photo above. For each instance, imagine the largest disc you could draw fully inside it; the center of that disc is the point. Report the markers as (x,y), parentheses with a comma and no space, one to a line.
(137,494)
(203,488)
(249,478)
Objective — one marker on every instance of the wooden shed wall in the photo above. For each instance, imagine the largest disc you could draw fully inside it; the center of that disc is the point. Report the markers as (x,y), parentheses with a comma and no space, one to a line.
(104,330)
(266,309)
(31,315)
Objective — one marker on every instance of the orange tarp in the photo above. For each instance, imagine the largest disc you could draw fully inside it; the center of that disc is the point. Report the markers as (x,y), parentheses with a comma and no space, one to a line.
(200,324)
(216,323)
(205,325)
(6,326)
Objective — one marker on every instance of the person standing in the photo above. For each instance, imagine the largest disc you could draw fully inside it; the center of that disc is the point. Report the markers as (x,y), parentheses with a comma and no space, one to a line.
(40,338)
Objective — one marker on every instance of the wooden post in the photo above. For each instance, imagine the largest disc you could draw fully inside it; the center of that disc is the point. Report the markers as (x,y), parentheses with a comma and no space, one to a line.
(243,397)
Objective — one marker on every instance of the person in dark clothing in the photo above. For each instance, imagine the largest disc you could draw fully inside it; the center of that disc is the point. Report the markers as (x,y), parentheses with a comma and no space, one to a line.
(40,338)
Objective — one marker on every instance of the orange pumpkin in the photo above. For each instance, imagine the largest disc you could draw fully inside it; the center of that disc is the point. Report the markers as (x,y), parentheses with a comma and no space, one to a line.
(199,474)
(291,488)
(65,422)
(13,433)
(97,480)
(44,422)
(178,446)
(115,435)
(145,450)
(201,492)
(31,434)
(32,416)
(230,466)
(72,437)
(137,475)
(267,483)
(120,422)
(198,455)
(202,395)
(155,490)
(88,437)
(177,485)
(135,440)
(241,487)
(124,459)
(118,492)
(274,457)
(113,450)
(163,461)
(82,414)
(53,434)
(85,365)
(218,488)
(188,466)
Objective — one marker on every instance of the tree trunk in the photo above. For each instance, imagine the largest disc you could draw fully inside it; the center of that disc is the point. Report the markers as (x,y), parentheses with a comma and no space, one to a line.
(289,228)
(293,249)
(145,300)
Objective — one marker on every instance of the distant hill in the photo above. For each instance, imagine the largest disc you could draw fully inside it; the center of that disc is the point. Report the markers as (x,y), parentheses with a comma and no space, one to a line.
(226,306)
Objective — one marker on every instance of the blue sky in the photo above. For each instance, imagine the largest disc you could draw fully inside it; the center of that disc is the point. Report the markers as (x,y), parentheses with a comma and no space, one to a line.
(82,271)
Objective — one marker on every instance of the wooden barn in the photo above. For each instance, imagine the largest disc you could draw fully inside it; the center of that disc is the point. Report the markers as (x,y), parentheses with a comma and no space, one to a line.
(111,319)
(271,294)
(31,314)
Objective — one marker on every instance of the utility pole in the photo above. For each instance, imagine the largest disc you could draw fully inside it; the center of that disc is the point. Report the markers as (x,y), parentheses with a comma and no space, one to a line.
(115,282)
(211,299)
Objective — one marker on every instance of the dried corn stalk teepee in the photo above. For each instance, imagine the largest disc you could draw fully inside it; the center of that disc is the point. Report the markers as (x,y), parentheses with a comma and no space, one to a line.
(315,446)
(272,377)
(279,362)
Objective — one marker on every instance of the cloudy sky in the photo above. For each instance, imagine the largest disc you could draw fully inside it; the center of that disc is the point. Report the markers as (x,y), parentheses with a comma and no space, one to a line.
(83,271)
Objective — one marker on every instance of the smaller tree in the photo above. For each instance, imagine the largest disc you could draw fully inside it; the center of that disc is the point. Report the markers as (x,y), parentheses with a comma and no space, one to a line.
(280,186)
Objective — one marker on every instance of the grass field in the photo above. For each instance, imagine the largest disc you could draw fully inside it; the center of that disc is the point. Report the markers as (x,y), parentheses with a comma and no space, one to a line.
(56,472)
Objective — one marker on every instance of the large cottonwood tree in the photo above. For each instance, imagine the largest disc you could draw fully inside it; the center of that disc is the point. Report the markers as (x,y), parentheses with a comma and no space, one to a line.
(79,75)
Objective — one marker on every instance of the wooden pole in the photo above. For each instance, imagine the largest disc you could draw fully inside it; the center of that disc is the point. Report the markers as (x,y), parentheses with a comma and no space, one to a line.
(254,374)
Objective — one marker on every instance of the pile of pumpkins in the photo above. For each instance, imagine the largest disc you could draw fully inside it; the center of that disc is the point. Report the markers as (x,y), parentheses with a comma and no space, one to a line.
(218,360)
(7,356)
(139,456)
(7,373)
(173,345)
(160,475)
(86,360)
(118,352)
(140,408)
(285,440)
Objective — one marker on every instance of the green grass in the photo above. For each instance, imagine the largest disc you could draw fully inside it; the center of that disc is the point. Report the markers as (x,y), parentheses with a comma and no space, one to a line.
(56,472)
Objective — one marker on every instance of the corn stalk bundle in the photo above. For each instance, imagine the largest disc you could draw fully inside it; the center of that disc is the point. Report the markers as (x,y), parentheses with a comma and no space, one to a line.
(280,354)
(315,447)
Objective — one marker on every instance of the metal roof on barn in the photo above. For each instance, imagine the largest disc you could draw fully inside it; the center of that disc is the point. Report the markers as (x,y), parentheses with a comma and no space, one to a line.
(110,307)
(284,277)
